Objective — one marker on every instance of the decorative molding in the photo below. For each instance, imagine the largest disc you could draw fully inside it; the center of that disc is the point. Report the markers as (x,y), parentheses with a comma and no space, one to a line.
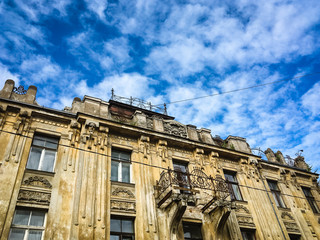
(245,221)
(240,208)
(292,227)
(124,206)
(175,128)
(34,197)
(50,122)
(122,192)
(287,216)
(38,182)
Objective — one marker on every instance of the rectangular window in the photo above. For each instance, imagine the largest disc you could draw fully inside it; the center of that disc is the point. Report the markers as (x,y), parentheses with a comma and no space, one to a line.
(247,234)
(276,193)
(310,198)
(43,153)
(120,166)
(181,173)
(28,224)
(233,185)
(192,231)
(121,228)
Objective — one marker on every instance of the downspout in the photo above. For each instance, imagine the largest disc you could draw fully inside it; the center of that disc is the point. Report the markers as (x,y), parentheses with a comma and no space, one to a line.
(274,211)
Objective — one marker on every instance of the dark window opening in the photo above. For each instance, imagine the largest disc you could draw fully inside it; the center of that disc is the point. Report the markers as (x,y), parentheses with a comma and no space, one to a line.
(233,185)
(192,231)
(276,193)
(121,228)
(311,200)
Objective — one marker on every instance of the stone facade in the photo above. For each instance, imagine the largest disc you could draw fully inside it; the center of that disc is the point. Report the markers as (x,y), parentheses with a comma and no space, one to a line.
(115,161)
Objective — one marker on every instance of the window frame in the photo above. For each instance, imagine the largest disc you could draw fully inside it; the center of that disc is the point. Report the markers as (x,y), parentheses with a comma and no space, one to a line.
(231,184)
(276,193)
(122,234)
(193,225)
(27,228)
(310,198)
(246,231)
(120,165)
(45,138)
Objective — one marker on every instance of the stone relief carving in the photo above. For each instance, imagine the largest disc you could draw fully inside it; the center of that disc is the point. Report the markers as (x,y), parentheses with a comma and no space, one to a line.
(75,132)
(291,227)
(38,182)
(34,197)
(245,221)
(174,128)
(286,216)
(122,192)
(90,137)
(240,208)
(125,206)
(144,146)
(162,150)
(149,123)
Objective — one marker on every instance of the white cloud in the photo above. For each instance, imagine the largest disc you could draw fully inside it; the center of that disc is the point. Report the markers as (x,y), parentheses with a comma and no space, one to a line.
(311,100)
(6,74)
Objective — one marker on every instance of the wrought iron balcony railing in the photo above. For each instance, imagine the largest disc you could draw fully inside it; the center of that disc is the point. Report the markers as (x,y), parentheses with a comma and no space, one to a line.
(190,183)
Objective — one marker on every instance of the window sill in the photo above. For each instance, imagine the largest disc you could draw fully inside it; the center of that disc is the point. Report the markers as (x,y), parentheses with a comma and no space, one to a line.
(40,172)
(240,201)
(122,183)
(284,209)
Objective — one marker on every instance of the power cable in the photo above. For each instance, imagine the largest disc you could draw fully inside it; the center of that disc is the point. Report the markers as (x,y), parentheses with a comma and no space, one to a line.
(145,164)
(240,89)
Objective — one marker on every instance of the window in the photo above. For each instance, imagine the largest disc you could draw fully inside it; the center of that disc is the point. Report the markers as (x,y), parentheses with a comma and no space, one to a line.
(247,234)
(181,171)
(233,186)
(294,237)
(120,166)
(43,153)
(310,198)
(121,229)
(27,224)
(276,193)
(192,231)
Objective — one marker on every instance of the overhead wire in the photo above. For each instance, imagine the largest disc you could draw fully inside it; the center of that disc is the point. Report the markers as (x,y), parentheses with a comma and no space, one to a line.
(239,89)
(145,164)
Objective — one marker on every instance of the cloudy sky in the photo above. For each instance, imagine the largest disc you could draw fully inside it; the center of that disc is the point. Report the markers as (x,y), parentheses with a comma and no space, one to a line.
(164,51)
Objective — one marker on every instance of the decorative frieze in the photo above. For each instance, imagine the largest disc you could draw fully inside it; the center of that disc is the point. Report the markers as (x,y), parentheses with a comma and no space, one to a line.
(34,197)
(123,193)
(175,128)
(123,205)
(36,181)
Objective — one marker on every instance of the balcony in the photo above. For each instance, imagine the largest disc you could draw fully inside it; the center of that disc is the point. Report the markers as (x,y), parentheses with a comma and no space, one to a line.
(175,185)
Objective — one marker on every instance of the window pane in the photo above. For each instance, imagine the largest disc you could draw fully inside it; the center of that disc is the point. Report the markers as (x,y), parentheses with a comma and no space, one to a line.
(34,158)
(114,237)
(114,171)
(17,234)
(48,160)
(124,156)
(115,155)
(37,218)
(127,238)
(127,226)
(273,185)
(21,217)
(52,143)
(38,141)
(125,172)
(115,225)
(230,177)
(236,192)
(34,235)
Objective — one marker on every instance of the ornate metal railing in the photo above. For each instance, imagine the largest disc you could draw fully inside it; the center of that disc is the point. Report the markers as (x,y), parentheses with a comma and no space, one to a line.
(188,182)
(140,103)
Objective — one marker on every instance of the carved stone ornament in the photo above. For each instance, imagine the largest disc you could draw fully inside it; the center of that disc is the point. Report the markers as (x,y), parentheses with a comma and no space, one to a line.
(292,227)
(175,128)
(34,197)
(38,182)
(245,221)
(149,123)
(125,206)
(240,208)
(287,216)
(124,193)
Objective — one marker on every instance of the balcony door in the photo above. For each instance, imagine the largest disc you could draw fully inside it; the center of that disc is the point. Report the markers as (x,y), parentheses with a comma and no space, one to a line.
(181,174)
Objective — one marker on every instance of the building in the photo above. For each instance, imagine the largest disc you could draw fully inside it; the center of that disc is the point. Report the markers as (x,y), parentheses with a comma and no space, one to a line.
(111,170)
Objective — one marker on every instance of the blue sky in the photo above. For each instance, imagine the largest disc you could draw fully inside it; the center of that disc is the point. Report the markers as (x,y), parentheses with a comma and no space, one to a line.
(163,51)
